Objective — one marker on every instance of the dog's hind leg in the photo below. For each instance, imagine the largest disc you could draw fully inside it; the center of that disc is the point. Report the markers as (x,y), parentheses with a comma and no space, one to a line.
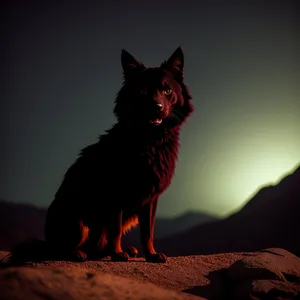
(66,236)
(129,222)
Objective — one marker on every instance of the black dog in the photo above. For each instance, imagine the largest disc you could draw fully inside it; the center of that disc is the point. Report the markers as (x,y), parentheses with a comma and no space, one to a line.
(115,184)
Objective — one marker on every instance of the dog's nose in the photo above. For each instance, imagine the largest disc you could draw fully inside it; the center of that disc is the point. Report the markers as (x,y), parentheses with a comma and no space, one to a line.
(159,106)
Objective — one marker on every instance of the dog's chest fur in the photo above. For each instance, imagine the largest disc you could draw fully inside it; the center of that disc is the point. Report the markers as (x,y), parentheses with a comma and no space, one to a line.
(161,159)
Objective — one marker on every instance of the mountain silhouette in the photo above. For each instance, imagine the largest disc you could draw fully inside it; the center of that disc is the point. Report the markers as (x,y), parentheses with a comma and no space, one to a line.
(270,219)
(168,226)
(165,227)
(19,222)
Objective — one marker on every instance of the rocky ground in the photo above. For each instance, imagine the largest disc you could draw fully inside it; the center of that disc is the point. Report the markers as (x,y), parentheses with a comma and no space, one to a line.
(267,274)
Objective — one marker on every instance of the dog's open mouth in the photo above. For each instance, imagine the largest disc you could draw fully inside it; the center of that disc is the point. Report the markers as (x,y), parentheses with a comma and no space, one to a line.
(156,121)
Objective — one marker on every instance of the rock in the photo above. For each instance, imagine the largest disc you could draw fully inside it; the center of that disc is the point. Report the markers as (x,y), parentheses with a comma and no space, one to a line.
(20,283)
(267,289)
(267,274)
(185,273)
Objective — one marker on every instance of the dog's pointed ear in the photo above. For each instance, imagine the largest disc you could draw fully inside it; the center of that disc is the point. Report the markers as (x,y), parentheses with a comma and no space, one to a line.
(175,63)
(130,65)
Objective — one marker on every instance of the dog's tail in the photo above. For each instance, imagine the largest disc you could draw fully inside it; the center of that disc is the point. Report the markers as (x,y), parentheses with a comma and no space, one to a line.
(29,251)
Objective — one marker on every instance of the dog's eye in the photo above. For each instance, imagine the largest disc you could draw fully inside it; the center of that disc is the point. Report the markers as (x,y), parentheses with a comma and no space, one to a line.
(167,92)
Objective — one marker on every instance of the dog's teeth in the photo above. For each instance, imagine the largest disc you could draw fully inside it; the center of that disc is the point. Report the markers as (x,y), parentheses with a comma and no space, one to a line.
(156,121)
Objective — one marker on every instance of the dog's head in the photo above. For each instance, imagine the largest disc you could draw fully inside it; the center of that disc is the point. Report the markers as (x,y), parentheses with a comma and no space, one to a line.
(153,96)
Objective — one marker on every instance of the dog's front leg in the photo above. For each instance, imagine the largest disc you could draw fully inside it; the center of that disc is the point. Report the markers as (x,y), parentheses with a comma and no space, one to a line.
(114,235)
(146,221)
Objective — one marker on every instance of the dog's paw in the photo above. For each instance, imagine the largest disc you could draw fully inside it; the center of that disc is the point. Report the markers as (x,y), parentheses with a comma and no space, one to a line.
(156,258)
(78,256)
(119,256)
(132,251)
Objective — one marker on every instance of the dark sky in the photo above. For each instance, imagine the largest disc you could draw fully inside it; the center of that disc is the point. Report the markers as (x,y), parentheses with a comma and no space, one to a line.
(61,72)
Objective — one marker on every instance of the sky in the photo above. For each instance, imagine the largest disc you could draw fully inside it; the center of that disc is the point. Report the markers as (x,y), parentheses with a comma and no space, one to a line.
(62,69)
